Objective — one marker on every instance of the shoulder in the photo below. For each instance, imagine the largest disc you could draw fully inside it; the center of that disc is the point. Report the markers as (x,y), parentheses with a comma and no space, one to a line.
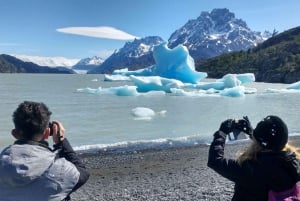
(64,170)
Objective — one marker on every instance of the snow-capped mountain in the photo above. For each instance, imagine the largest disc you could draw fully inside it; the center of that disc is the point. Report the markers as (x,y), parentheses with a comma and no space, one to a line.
(88,63)
(215,33)
(134,55)
(48,61)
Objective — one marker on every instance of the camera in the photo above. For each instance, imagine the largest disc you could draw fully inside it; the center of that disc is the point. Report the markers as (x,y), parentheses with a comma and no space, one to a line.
(239,128)
(239,125)
(51,128)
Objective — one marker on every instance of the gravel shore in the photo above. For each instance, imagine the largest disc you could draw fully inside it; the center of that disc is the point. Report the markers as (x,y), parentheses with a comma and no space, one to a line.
(169,174)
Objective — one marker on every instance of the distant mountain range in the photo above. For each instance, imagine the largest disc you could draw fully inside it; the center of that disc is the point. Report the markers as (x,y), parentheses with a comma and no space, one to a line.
(88,63)
(48,61)
(10,64)
(134,55)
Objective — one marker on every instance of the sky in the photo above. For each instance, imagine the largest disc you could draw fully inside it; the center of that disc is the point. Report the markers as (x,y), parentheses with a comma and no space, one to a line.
(77,29)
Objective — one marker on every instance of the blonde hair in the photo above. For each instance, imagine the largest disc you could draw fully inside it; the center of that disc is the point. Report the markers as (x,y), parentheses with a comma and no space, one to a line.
(251,152)
(293,149)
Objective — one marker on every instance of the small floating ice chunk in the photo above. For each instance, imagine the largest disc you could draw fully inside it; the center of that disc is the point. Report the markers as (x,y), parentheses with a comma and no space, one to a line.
(246,77)
(116,78)
(238,91)
(155,83)
(295,85)
(230,81)
(142,113)
(119,91)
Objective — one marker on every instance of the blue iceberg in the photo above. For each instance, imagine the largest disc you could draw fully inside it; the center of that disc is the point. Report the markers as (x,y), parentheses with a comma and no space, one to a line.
(170,63)
(295,85)
(155,83)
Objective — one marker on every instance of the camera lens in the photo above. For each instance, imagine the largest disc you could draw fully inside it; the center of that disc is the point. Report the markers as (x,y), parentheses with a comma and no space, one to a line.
(51,128)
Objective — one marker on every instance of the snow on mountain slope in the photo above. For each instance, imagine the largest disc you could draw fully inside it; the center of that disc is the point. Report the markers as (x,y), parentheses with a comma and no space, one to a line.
(214,33)
(48,61)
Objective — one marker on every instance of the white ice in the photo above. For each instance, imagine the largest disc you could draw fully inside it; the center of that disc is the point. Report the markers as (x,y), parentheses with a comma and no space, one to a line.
(119,91)
(144,113)
(295,85)
(115,78)
(155,83)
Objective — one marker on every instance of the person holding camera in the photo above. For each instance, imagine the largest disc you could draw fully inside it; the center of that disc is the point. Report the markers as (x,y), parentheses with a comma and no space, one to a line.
(29,169)
(268,164)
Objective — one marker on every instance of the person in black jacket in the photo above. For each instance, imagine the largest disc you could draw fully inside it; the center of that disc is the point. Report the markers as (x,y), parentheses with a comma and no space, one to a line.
(269,163)
(29,169)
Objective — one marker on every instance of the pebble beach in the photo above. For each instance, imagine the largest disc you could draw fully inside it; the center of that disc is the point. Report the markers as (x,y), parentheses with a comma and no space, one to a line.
(166,174)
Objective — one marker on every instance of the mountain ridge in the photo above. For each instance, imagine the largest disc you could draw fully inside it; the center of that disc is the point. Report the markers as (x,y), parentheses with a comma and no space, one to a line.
(215,33)
(10,64)
(133,55)
(277,60)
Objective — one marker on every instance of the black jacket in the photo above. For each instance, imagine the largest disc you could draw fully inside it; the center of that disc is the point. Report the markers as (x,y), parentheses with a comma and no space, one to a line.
(253,179)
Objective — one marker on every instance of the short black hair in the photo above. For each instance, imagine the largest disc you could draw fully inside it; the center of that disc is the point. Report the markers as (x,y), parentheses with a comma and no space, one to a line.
(31,119)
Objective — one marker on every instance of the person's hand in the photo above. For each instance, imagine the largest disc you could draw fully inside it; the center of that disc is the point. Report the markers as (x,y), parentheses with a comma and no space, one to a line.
(226,126)
(246,126)
(58,132)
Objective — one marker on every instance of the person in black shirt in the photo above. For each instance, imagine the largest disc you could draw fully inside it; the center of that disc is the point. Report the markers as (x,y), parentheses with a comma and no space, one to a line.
(269,163)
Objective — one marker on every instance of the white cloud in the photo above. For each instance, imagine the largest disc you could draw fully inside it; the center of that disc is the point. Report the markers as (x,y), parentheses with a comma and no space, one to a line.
(98,32)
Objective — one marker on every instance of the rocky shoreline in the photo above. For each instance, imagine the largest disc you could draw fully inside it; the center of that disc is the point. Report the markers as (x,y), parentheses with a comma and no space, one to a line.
(168,174)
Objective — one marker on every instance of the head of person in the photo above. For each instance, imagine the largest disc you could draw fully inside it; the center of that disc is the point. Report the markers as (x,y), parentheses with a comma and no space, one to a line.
(271,133)
(31,120)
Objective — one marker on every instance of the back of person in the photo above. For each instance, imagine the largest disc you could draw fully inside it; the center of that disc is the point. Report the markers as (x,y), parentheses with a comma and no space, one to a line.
(264,166)
(271,171)
(32,172)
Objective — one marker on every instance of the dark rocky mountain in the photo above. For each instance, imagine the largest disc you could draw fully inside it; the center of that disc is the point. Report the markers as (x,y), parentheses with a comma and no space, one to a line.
(216,33)
(134,55)
(277,60)
(10,64)
(88,63)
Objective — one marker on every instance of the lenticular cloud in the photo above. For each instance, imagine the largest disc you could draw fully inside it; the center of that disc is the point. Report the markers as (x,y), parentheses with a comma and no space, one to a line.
(98,32)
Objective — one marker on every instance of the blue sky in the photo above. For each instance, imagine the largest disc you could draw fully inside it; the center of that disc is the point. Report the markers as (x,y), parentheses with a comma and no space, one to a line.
(45,27)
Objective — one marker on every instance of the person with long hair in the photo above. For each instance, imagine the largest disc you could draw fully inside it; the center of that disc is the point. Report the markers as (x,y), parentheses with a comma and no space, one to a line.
(268,164)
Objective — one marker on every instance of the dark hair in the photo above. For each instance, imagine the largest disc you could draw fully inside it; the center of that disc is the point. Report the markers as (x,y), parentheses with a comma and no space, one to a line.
(31,119)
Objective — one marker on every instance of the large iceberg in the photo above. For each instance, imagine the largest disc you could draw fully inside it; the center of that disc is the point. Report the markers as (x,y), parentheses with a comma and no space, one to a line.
(170,63)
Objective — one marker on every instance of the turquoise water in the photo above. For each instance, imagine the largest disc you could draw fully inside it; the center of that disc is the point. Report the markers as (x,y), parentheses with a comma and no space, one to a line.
(106,121)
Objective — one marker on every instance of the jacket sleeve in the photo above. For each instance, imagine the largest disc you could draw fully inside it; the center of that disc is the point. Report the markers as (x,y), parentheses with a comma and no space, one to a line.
(68,153)
(228,168)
